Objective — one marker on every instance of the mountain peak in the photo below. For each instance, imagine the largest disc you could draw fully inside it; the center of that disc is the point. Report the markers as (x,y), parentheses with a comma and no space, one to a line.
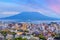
(30,16)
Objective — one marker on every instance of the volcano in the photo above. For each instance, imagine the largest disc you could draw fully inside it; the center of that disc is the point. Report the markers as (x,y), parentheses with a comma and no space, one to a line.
(29,16)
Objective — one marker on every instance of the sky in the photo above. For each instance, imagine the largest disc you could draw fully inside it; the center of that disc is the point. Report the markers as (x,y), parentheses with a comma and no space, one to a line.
(50,8)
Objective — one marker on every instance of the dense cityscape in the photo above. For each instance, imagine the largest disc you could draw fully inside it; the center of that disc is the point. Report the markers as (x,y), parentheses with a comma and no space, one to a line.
(29,19)
(29,31)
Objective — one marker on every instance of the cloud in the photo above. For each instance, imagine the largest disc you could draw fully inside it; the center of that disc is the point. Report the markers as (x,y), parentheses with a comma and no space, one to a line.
(55,8)
(9,13)
(42,6)
(54,5)
(6,14)
(8,9)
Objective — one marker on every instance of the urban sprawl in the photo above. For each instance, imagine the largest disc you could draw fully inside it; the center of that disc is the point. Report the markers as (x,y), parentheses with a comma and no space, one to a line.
(29,31)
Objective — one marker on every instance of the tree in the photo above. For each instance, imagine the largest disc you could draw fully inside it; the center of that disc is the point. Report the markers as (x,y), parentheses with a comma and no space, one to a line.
(13,33)
(41,37)
(24,38)
(26,31)
(20,38)
(4,33)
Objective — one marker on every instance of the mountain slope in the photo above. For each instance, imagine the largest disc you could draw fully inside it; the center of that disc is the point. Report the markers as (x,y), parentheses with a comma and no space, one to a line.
(30,16)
